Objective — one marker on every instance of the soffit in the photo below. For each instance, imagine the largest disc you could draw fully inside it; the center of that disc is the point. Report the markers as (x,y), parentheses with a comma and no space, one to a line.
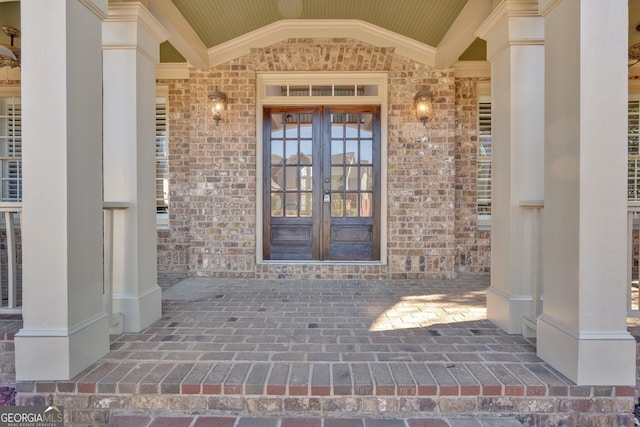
(215,22)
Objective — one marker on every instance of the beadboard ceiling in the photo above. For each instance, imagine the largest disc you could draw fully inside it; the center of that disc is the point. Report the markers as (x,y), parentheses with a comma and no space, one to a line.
(199,26)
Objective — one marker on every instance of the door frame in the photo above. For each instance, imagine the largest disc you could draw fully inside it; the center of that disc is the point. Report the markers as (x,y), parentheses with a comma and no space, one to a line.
(264,97)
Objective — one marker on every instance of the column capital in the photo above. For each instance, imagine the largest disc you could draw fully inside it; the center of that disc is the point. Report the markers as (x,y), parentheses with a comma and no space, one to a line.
(135,14)
(512,22)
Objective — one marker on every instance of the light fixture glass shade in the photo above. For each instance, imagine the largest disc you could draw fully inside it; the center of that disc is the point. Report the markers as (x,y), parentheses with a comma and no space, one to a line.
(218,104)
(424,106)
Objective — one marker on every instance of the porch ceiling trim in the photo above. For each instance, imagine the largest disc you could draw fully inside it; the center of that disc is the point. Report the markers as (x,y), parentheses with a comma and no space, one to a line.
(462,33)
(472,69)
(321,28)
(181,34)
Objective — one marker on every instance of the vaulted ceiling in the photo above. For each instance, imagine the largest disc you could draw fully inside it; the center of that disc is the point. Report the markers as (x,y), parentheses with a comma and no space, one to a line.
(205,32)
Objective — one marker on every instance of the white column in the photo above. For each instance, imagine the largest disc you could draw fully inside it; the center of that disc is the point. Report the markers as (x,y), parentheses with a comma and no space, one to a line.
(65,329)
(131,39)
(582,331)
(515,36)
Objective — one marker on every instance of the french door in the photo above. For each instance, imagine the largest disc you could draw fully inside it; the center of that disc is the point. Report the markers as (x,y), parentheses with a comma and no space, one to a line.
(321,183)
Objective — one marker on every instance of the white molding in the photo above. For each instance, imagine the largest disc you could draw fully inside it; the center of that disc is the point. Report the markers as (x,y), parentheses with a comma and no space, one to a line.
(462,32)
(507,9)
(483,88)
(132,47)
(135,297)
(181,34)
(96,9)
(136,13)
(173,71)
(61,332)
(321,28)
(13,90)
(546,6)
(472,69)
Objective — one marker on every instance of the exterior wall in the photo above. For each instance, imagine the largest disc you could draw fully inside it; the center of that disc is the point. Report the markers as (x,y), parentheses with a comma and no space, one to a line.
(173,244)
(473,247)
(432,218)
(431,226)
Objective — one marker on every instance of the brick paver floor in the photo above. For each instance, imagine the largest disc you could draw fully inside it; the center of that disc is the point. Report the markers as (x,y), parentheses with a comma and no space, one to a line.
(226,348)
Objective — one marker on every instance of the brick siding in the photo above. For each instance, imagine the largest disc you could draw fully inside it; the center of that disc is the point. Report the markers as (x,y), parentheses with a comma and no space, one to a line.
(431,227)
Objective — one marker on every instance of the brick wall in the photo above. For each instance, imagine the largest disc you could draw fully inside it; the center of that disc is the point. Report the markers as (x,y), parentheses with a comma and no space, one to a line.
(431,192)
(473,247)
(213,212)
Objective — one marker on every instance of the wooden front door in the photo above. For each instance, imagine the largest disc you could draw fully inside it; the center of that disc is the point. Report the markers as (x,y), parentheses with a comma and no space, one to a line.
(322,183)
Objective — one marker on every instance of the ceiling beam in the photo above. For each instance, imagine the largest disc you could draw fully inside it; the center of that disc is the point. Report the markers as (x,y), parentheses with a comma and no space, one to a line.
(182,36)
(461,33)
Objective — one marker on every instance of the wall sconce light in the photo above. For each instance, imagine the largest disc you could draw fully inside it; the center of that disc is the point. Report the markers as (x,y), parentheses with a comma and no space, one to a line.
(218,104)
(424,106)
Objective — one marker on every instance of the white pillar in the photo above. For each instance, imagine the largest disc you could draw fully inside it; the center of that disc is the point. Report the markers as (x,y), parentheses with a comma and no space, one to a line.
(515,37)
(582,331)
(131,39)
(65,329)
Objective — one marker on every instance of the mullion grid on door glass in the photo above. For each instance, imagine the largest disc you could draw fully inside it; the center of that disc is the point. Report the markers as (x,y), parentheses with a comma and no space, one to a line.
(291,168)
(350,180)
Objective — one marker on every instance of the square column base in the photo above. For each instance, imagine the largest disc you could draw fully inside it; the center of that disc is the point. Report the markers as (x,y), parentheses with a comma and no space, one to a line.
(507,311)
(60,354)
(139,310)
(588,358)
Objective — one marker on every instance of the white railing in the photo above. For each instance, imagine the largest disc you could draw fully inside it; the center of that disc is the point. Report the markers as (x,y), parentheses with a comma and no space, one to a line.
(10,296)
(533,226)
(110,208)
(633,258)
(10,223)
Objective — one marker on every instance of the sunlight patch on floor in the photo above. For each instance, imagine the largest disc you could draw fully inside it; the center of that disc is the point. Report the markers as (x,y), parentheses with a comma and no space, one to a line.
(419,311)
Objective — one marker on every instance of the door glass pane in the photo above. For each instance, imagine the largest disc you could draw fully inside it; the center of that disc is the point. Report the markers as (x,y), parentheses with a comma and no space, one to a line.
(366,152)
(366,178)
(352,178)
(291,131)
(277,152)
(366,122)
(276,204)
(337,151)
(352,152)
(337,205)
(277,177)
(306,204)
(292,152)
(292,177)
(305,152)
(337,131)
(365,204)
(337,178)
(306,178)
(351,204)
(291,204)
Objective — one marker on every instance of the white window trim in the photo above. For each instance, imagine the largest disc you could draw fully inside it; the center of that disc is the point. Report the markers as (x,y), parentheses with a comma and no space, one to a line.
(483,89)
(162,219)
(263,80)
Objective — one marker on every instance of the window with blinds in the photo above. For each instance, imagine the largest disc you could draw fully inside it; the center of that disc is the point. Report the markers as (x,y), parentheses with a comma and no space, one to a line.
(162,159)
(484,157)
(11,148)
(633,165)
